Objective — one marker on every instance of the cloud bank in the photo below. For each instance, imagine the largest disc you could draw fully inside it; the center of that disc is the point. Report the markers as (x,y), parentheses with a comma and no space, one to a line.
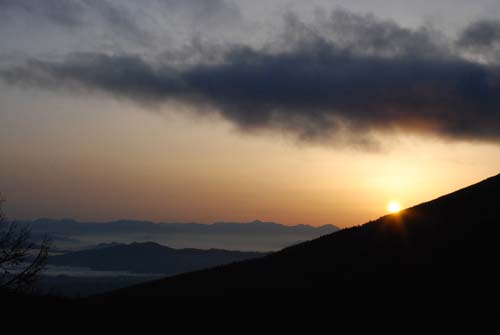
(344,76)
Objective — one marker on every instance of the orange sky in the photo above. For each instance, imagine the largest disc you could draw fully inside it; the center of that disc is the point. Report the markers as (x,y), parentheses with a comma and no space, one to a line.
(73,159)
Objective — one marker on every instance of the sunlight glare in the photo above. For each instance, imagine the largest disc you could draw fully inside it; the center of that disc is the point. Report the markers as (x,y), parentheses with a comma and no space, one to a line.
(394,207)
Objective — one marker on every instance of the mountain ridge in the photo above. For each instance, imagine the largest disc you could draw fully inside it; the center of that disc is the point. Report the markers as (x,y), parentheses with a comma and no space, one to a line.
(59,223)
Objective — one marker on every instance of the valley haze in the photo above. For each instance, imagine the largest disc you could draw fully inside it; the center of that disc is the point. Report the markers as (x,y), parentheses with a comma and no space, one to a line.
(251,236)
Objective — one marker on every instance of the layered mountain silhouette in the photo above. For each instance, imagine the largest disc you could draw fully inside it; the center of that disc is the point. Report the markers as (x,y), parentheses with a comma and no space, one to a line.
(149,258)
(69,234)
(435,255)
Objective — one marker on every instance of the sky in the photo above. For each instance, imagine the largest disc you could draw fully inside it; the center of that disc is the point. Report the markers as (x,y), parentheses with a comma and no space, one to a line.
(317,112)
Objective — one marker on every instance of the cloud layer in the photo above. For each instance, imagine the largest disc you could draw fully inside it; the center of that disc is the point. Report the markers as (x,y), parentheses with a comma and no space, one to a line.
(345,76)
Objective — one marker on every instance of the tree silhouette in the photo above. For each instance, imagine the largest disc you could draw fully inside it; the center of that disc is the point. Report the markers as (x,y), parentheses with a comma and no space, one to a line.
(21,260)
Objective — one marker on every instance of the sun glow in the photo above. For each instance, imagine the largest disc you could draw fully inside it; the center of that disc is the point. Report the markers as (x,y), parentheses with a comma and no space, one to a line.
(394,207)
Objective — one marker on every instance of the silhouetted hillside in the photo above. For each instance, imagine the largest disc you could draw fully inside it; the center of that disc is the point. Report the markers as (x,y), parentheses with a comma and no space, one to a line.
(443,252)
(149,258)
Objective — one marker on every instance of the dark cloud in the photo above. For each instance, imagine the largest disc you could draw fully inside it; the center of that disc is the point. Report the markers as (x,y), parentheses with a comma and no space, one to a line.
(481,34)
(482,40)
(315,87)
(369,35)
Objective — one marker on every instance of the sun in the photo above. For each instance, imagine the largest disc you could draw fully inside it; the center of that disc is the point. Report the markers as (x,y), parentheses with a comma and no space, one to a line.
(394,207)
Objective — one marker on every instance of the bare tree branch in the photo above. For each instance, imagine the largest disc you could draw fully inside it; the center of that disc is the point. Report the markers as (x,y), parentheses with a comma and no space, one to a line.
(18,268)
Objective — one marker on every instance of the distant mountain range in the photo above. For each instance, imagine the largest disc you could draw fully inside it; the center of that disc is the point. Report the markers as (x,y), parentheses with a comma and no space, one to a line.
(251,236)
(439,256)
(72,227)
(149,258)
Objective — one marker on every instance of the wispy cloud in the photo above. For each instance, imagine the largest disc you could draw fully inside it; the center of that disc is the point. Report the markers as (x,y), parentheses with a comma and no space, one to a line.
(118,14)
(76,14)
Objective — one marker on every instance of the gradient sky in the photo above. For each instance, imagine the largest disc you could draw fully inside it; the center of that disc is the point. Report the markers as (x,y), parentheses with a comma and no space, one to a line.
(203,111)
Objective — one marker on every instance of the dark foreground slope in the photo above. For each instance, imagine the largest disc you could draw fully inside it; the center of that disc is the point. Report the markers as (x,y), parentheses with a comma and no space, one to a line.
(442,252)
